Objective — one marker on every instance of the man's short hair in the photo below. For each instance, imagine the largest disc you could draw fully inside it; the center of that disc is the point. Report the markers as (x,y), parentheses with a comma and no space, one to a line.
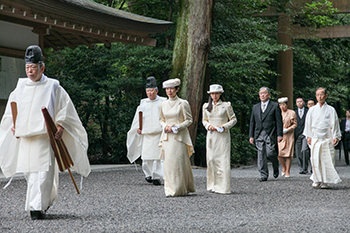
(300,97)
(322,88)
(311,100)
(265,88)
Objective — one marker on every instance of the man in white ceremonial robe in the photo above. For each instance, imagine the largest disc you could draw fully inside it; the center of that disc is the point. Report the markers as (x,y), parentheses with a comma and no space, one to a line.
(26,147)
(322,132)
(144,142)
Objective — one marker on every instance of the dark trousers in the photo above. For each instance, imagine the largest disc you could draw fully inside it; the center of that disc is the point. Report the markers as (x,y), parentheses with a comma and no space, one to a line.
(266,151)
(346,146)
(303,156)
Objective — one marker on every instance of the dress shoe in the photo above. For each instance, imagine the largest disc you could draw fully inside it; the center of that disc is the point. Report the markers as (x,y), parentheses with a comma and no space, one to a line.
(156,182)
(283,174)
(262,179)
(37,214)
(302,172)
(324,186)
(316,184)
(275,174)
(287,176)
(149,179)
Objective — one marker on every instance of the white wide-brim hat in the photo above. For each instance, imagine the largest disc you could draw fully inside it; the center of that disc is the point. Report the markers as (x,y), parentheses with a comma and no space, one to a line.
(282,100)
(215,88)
(171,83)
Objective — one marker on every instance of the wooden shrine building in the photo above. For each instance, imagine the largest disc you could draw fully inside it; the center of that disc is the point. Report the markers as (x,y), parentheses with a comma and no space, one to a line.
(63,23)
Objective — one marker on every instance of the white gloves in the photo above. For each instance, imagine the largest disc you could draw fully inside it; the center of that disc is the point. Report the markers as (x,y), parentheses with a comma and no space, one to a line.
(219,129)
(285,131)
(175,129)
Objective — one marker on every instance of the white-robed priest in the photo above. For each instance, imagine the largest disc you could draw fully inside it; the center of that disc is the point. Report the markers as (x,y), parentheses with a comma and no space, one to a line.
(26,147)
(144,142)
(322,133)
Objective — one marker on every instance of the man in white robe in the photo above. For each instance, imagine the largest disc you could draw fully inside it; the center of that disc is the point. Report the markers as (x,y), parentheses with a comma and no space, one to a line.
(25,147)
(144,142)
(323,134)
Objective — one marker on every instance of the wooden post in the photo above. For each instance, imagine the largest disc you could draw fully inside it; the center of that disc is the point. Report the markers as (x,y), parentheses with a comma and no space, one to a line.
(285,61)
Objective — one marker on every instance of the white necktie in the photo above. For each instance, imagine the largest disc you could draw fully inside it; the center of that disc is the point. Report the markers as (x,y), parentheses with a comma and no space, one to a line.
(263,107)
(301,113)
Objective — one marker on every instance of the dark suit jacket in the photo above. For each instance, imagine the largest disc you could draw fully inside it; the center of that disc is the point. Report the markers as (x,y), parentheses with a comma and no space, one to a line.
(270,121)
(301,123)
(342,126)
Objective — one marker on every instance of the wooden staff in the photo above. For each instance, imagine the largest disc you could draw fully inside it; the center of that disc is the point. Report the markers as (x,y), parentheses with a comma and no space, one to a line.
(14,113)
(140,120)
(62,156)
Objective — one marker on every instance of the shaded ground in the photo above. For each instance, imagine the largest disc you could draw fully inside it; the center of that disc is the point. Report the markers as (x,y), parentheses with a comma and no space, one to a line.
(120,200)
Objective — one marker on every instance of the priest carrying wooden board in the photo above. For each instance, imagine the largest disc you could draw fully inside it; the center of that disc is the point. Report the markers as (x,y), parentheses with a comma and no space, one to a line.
(144,134)
(24,140)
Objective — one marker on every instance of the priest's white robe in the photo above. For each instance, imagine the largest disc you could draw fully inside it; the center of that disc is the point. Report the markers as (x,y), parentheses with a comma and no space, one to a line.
(146,144)
(31,153)
(322,126)
(219,146)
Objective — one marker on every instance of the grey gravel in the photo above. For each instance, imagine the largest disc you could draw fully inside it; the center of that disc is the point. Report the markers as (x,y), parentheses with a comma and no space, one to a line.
(120,200)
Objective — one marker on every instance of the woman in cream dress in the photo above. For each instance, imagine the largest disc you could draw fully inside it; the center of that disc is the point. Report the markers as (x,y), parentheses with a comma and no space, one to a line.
(175,142)
(286,146)
(218,119)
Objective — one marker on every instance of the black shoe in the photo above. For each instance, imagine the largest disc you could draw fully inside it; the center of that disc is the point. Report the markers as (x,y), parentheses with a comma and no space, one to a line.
(37,214)
(262,179)
(149,179)
(275,175)
(303,172)
(156,182)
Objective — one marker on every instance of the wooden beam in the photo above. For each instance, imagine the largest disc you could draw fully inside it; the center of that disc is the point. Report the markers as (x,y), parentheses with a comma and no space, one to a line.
(323,33)
(115,35)
(82,40)
(343,7)
(49,44)
(12,52)
(64,41)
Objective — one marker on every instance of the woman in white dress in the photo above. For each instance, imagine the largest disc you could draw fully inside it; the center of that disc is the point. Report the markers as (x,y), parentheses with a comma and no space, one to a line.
(175,142)
(218,119)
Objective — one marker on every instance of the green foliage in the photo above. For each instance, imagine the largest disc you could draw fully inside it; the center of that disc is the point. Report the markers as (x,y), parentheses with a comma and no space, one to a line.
(242,59)
(106,86)
(319,13)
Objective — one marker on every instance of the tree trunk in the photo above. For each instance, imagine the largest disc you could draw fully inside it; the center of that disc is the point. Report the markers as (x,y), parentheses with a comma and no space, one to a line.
(190,56)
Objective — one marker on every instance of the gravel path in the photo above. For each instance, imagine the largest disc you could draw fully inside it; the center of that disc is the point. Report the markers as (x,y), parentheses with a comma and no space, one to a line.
(120,200)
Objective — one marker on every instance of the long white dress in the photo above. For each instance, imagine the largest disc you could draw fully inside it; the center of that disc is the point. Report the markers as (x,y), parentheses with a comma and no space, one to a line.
(322,126)
(219,146)
(31,153)
(176,148)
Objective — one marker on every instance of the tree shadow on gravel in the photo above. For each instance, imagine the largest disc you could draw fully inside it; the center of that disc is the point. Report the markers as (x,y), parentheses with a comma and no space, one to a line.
(62,217)
(337,188)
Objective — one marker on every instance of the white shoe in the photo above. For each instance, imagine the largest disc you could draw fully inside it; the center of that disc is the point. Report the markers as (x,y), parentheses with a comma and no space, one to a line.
(316,184)
(324,186)
(283,173)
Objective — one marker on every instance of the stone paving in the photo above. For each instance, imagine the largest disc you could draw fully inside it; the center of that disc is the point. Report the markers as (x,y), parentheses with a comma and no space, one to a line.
(118,199)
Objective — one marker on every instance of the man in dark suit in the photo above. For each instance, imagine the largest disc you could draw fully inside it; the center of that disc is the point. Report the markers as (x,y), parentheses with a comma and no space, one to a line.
(345,133)
(265,130)
(303,156)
